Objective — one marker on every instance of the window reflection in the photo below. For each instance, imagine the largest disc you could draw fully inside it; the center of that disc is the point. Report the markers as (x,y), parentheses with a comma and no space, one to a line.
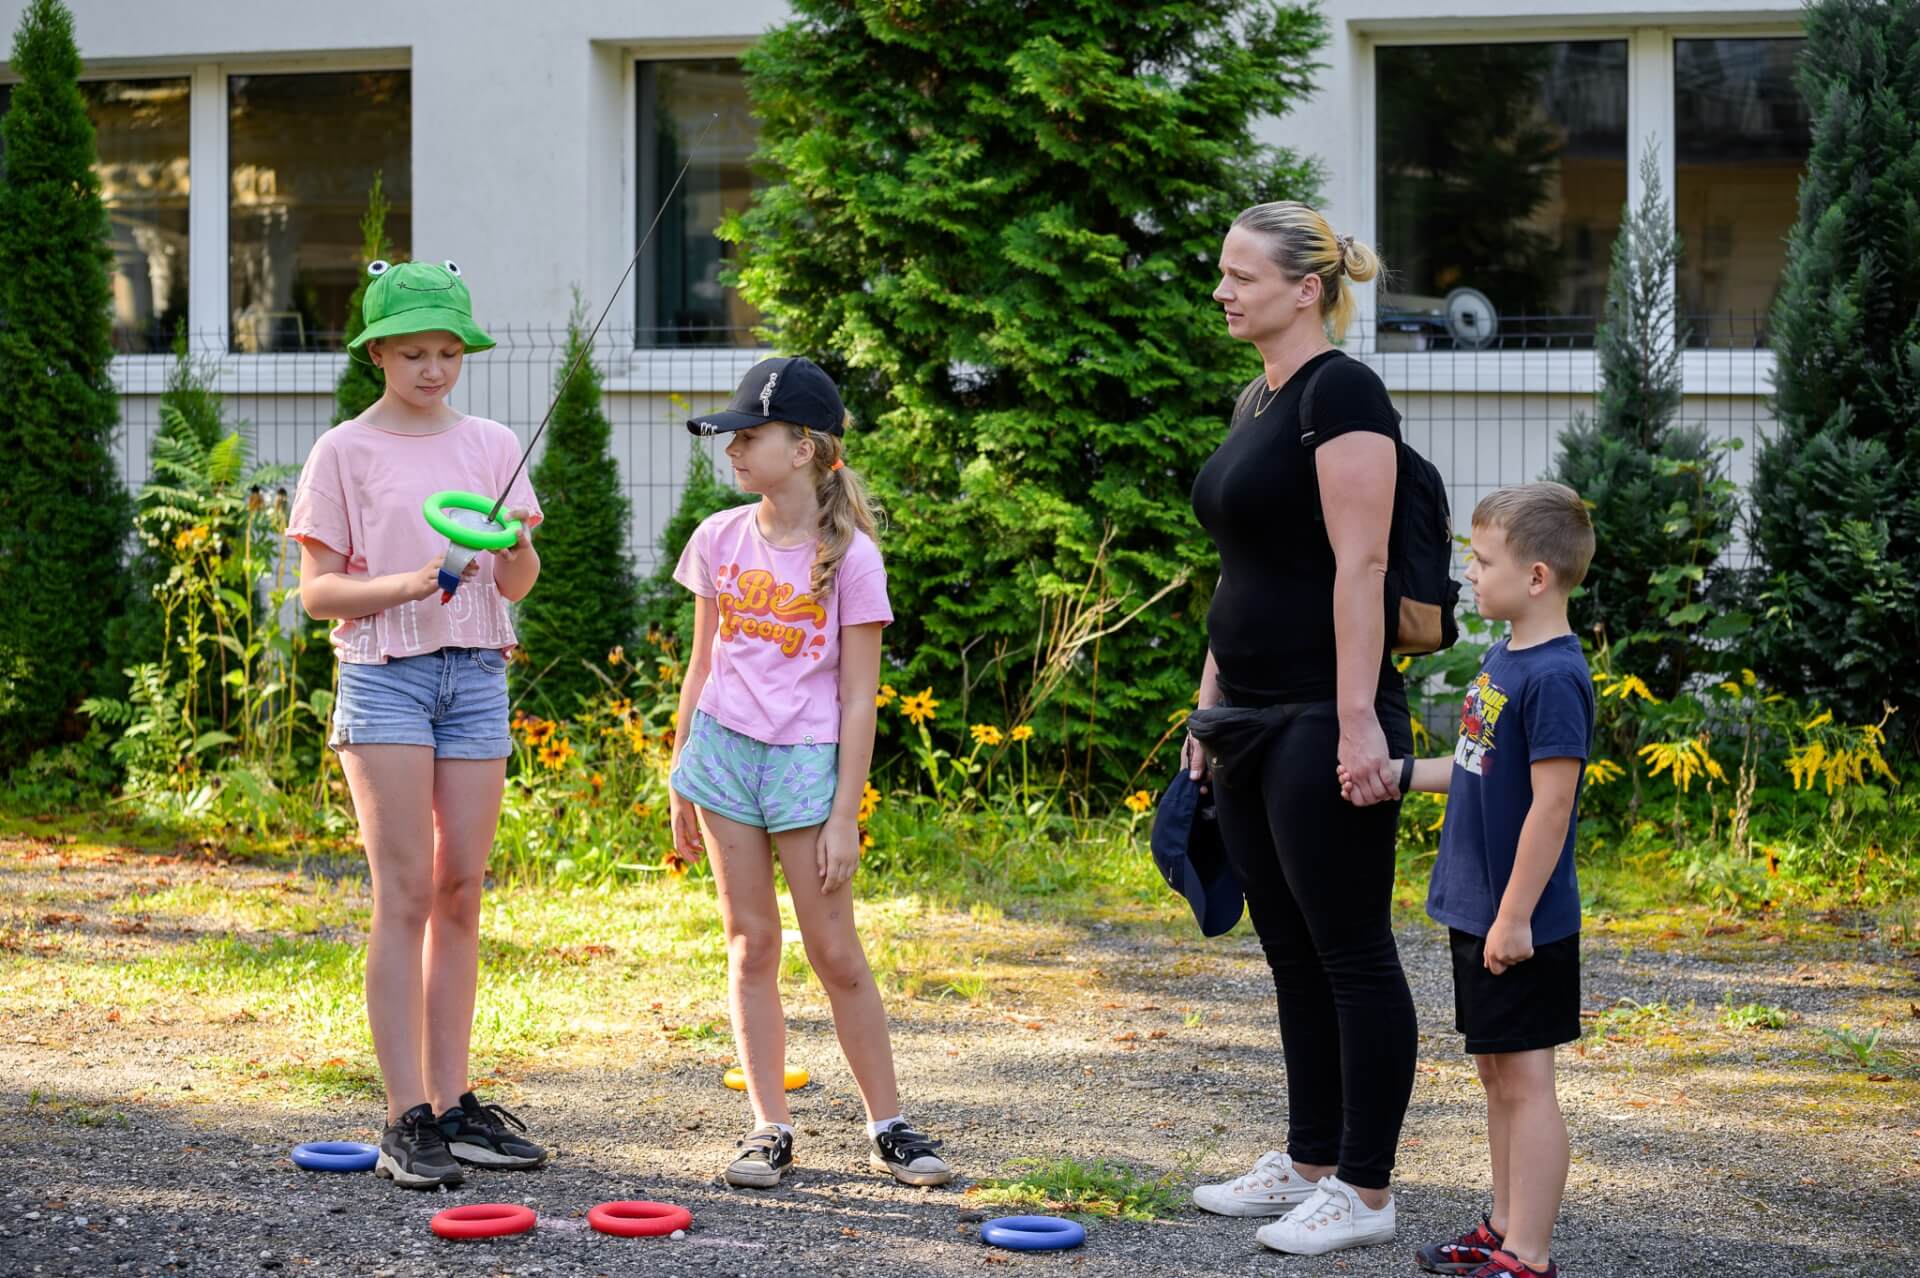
(1741,136)
(303,150)
(1502,168)
(681,299)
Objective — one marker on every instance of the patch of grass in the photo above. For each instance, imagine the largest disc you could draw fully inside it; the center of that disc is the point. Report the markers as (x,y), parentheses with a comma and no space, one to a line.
(1859,1049)
(1753,1016)
(699,1032)
(1629,1019)
(286,905)
(55,1108)
(1096,1188)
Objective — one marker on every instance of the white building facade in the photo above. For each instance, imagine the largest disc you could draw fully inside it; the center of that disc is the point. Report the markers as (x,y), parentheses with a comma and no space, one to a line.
(1485,148)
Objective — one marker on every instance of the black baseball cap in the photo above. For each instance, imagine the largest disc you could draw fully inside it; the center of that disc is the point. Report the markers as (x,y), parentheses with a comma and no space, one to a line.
(1192,856)
(783,389)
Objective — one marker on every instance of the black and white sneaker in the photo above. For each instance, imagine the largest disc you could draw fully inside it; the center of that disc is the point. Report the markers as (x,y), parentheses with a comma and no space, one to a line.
(765,1154)
(414,1153)
(909,1156)
(478,1134)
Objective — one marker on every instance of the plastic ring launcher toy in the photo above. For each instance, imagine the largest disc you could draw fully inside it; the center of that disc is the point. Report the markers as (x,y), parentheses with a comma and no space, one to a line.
(462,518)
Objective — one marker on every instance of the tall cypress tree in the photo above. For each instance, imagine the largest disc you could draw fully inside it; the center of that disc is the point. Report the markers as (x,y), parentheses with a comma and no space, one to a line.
(1663,509)
(1837,489)
(361,384)
(998,226)
(67,513)
(584,605)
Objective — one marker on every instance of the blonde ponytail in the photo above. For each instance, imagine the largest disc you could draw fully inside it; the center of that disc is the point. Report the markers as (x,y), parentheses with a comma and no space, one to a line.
(1302,244)
(846,508)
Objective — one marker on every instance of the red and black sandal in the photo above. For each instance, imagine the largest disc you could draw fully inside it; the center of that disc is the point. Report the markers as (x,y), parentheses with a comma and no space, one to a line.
(1461,1255)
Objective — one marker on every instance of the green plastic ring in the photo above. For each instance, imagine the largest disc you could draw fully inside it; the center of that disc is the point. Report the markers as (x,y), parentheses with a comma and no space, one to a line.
(436,508)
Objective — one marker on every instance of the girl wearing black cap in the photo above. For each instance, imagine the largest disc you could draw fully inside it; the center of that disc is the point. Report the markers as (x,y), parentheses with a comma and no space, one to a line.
(776,735)
(1297,632)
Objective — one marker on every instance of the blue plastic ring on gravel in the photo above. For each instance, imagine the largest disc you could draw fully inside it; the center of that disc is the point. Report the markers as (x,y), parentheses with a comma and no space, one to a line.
(335,1156)
(1033,1233)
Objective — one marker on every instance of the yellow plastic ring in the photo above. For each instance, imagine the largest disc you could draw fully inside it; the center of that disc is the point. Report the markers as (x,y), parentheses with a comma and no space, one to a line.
(796,1078)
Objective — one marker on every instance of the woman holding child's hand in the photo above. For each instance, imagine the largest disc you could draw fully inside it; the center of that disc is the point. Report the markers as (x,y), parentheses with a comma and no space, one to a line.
(1296,683)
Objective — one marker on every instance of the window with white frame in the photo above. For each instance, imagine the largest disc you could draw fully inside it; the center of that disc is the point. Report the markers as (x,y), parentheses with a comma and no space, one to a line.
(302,153)
(140,131)
(1741,135)
(1502,169)
(1501,173)
(681,300)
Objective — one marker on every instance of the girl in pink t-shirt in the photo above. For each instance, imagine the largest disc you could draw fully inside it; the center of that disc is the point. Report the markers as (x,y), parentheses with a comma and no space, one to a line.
(420,715)
(776,735)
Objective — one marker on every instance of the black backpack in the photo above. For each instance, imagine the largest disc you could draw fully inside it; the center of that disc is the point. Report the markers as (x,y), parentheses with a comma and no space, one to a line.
(1421,593)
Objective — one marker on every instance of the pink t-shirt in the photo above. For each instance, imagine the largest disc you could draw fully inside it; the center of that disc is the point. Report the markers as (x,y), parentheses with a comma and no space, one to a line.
(776,653)
(360,495)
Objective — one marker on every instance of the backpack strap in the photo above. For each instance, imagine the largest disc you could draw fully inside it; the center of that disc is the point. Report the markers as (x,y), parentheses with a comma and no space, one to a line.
(1307,431)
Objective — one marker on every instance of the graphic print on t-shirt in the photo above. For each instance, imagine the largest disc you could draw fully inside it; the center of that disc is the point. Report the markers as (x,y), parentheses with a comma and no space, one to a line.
(1478,715)
(753,605)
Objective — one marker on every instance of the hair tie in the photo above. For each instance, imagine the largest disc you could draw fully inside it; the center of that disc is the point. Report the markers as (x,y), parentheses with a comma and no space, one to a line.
(1345,244)
(837,465)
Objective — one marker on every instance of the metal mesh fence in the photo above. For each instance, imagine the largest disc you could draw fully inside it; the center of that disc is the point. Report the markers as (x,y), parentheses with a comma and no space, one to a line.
(1485,417)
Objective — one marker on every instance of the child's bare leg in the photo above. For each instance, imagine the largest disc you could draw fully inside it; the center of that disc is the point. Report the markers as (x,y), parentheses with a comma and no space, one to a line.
(466,808)
(743,876)
(1537,1153)
(1497,1129)
(834,950)
(392,788)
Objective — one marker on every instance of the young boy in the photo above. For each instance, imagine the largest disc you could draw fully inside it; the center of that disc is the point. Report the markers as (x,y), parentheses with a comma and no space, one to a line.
(1504,881)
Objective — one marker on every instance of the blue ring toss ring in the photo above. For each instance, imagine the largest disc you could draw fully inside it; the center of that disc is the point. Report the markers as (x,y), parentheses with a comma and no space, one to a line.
(500,537)
(1033,1233)
(335,1156)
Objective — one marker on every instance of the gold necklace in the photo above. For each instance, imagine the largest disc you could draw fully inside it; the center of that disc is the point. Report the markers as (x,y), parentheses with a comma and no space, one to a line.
(1260,406)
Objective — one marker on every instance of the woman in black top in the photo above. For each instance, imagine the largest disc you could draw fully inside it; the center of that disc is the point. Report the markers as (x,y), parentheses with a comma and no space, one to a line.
(1298,622)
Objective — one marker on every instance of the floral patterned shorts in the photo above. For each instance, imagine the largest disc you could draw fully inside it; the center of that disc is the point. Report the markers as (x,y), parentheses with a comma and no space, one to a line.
(774,787)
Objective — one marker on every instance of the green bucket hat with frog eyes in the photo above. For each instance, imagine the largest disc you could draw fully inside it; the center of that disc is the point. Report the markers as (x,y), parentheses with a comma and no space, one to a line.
(417,297)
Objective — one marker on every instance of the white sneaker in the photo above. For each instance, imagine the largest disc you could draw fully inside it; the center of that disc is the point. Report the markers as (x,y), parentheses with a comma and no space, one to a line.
(1333,1218)
(1272,1188)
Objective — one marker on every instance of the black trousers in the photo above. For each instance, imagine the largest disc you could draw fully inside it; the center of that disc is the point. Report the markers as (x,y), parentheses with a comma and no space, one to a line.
(1318,874)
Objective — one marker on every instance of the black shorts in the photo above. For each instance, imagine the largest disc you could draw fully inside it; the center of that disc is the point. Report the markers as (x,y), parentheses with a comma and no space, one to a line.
(1529,1006)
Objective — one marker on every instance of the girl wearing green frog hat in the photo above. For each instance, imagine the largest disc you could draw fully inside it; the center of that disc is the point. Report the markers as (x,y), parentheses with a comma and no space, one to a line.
(420,716)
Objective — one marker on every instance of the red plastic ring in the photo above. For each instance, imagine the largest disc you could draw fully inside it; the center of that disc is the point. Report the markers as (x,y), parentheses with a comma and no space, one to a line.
(639,1220)
(484,1220)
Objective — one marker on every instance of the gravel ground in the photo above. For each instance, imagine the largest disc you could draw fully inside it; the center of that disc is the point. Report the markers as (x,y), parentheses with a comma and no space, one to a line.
(1696,1150)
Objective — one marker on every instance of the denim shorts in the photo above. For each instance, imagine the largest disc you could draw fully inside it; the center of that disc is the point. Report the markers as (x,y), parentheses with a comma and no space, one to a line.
(774,787)
(454,700)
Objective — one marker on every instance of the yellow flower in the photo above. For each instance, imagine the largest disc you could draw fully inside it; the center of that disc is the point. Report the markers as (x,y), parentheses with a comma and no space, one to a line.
(1403,665)
(919,707)
(869,800)
(617,655)
(1682,760)
(556,753)
(1732,689)
(1022,733)
(620,707)
(1179,716)
(986,734)
(1825,716)
(1601,771)
(884,697)
(597,780)
(191,537)
(667,670)
(1631,685)
(1748,677)
(1139,801)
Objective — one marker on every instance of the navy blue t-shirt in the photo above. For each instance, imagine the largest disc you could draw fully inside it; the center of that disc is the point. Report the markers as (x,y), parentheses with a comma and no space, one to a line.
(1526,705)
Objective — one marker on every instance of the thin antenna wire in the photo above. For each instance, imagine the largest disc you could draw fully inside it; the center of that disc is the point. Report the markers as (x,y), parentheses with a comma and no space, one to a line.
(586,348)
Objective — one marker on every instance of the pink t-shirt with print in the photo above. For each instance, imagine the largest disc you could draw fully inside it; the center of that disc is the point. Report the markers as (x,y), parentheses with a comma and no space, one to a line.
(776,653)
(360,494)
